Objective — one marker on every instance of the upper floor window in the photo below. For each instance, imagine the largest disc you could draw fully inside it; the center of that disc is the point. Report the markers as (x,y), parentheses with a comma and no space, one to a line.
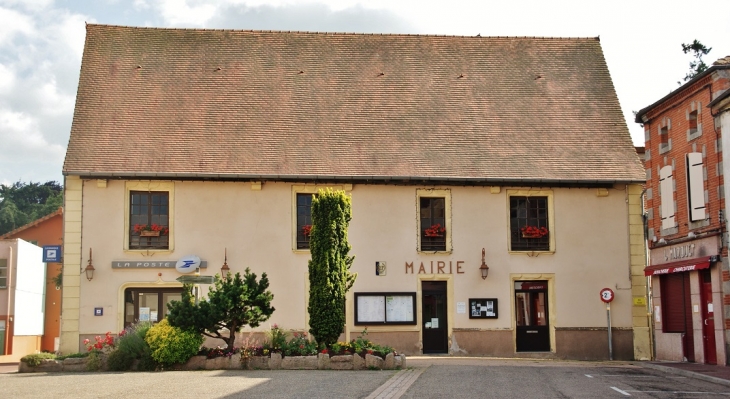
(3,273)
(529,223)
(433,212)
(693,122)
(433,223)
(149,220)
(304,219)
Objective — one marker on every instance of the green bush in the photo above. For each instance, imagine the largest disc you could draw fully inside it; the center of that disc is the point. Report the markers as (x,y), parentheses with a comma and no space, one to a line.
(276,338)
(36,358)
(73,355)
(172,345)
(119,360)
(129,346)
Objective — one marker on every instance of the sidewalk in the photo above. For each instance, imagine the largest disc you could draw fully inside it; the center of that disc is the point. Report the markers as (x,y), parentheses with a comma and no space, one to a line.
(8,368)
(707,372)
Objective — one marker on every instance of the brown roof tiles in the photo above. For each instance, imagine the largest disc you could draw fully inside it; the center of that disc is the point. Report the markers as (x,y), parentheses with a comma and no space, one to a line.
(224,104)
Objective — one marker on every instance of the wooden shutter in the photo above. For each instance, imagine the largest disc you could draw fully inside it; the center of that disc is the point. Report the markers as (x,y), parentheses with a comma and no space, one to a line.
(696,186)
(666,190)
(675,302)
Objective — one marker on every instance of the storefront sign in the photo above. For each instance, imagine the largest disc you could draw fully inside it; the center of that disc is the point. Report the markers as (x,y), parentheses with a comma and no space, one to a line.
(164,264)
(679,252)
(437,267)
(677,269)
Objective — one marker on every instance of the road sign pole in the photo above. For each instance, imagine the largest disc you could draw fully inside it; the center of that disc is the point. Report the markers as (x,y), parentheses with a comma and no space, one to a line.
(608,318)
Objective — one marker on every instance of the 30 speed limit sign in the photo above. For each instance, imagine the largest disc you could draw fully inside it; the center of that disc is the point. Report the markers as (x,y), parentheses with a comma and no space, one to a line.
(607,295)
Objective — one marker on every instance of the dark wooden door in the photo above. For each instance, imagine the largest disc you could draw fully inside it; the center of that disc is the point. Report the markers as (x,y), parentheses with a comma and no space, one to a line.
(708,317)
(434,322)
(531,316)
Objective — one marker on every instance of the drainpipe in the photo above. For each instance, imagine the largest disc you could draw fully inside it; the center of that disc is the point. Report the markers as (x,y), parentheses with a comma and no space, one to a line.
(649,299)
(11,296)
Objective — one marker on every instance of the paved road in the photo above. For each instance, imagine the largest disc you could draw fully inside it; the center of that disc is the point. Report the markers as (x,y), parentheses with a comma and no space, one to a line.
(425,378)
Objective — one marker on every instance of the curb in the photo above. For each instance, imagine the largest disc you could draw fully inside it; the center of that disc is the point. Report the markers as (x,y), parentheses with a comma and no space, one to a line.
(686,373)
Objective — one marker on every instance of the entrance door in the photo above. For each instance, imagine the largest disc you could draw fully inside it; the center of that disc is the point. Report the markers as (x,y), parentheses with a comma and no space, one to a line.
(708,317)
(435,328)
(531,316)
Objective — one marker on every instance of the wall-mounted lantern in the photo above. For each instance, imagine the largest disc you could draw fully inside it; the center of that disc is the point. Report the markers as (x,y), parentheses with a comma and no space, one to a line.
(89,269)
(484,268)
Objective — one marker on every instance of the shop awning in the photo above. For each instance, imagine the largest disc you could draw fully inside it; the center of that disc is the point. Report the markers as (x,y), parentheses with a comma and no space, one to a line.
(679,266)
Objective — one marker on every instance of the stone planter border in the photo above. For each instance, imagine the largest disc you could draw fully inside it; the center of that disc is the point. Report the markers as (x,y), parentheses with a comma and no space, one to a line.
(321,361)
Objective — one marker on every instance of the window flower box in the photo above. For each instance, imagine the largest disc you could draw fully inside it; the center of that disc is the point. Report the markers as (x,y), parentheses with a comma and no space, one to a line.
(153,230)
(435,231)
(534,232)
(307,230)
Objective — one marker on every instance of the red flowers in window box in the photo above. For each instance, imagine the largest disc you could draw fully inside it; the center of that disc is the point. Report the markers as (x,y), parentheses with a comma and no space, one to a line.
(153,230)
(435,231)
(307,230)
(534,232)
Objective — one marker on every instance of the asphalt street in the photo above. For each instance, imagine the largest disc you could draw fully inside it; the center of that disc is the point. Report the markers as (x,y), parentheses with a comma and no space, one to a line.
(446,377)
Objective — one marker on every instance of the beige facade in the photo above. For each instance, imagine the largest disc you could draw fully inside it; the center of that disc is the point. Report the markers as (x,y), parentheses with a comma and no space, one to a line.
(592,246)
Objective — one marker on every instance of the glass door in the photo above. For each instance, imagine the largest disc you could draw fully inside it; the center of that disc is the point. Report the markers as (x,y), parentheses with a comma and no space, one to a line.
(434,321)
(531,316)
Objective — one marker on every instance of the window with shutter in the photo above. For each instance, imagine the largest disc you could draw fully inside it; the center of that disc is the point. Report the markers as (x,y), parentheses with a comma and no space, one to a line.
(666,191)
(675,302)
(696,186)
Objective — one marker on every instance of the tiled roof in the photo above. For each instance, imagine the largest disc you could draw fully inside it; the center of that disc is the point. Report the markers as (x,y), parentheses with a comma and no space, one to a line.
(186,103)
(34,223)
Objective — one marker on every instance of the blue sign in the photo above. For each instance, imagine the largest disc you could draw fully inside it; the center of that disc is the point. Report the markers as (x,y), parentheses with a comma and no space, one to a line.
(51,253)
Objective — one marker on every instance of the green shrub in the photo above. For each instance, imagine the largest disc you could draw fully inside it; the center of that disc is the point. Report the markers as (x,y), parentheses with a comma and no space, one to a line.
(36,358)
(119,360)
(172,345)
(276,338)
(73,355)
(95,362)
(130,345)
(146,362)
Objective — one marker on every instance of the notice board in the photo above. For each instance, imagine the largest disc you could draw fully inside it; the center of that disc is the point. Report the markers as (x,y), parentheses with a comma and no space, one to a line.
(385,308)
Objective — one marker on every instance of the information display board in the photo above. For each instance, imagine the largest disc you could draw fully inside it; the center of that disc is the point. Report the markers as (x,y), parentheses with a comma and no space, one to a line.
(385,308)
(482,308)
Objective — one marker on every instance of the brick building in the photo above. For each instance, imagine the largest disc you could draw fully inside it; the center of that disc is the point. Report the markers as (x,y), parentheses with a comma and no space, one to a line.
(685,204)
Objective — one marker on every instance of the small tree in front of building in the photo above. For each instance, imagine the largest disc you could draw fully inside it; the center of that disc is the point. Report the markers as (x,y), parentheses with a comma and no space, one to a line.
(233,303)
(329,269)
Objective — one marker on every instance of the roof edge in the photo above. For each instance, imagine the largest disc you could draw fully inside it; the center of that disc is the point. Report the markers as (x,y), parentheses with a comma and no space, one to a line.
(643,111)
(32,224)
(477,36)
(354,179)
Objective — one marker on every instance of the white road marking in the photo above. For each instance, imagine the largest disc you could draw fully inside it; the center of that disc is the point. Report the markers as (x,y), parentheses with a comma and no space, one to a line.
(682,392)
(621,392)
(589,376)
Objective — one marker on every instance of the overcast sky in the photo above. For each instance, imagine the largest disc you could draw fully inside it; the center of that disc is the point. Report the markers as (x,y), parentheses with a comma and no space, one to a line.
(41,42)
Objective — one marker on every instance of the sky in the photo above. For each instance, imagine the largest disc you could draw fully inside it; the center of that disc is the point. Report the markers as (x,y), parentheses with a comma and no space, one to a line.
(41,43)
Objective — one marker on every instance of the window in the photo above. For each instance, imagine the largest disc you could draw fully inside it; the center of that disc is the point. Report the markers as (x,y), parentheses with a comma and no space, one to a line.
(529,223)
(433,223)
(664,135)
(304,219)
(149,226)
(3,273)
(696,186)
(666,191)
(693,122)
(148,304)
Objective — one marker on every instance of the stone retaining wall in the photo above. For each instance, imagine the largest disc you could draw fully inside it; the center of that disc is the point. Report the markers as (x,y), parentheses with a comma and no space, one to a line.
(322,361)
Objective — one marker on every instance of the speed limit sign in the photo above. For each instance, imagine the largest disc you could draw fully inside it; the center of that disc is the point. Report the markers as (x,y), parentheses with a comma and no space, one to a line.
(607,295)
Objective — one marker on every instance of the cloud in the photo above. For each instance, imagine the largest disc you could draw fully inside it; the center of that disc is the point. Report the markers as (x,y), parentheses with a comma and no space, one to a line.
(40,54)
